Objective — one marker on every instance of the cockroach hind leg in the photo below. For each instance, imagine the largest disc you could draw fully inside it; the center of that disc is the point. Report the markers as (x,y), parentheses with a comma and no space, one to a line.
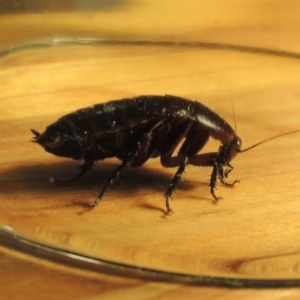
(83,169)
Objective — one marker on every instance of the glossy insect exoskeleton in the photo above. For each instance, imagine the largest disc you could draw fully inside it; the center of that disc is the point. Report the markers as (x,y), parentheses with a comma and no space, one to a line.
(134,130)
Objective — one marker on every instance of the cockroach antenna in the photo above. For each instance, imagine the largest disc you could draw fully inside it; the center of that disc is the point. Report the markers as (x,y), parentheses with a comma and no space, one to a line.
(267,140)
(234,115)
(261,142)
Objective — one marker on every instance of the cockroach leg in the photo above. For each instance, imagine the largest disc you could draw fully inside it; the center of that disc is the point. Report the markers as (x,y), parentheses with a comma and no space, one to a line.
(224,174)
(228,184)
(88,164)
(110,180)
(218,172)
(173,185)
(145,145)
(213,181)
(228,170)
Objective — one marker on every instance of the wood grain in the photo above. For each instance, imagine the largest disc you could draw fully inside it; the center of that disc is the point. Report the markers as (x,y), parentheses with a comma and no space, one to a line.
(253,233)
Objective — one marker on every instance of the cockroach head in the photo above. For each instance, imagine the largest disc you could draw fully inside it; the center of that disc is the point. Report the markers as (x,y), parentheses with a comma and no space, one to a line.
(229,150)
(234,148)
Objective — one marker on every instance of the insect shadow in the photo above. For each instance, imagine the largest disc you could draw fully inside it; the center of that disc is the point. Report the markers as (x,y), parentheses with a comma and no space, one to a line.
(137,181)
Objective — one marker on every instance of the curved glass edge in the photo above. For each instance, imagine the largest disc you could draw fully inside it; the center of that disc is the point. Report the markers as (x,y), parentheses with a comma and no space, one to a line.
(12,240)
(96,41)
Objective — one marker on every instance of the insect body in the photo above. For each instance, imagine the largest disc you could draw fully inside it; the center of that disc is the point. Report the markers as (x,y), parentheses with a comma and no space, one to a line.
(134,130)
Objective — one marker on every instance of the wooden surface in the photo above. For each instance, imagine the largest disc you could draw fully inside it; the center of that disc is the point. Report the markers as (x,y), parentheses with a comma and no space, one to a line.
(252,234)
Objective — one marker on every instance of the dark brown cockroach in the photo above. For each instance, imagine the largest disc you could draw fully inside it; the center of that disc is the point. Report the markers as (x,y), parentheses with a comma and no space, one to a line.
(134,130)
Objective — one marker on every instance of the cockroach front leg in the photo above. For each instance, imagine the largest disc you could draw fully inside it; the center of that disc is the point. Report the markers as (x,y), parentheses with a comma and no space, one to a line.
(224,174)
(219,172)
(213,180)
(210,160)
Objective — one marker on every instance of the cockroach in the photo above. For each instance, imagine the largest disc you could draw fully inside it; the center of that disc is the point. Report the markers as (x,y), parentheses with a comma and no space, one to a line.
(136,129)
